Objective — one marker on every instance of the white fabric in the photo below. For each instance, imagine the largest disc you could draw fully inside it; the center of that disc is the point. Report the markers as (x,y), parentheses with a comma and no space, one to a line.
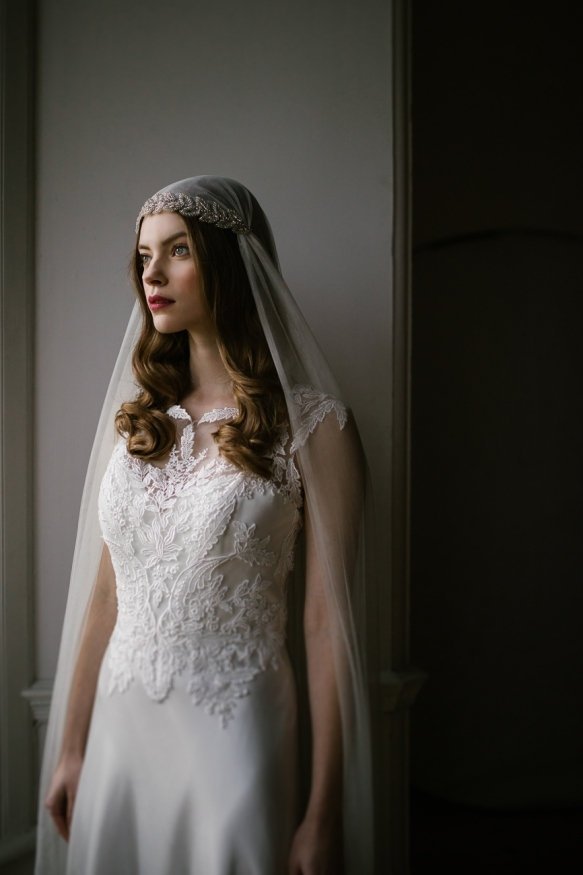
(328,455)
(194,726)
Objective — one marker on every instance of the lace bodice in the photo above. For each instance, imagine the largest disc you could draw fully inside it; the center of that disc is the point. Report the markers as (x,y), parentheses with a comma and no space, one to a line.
(201,552)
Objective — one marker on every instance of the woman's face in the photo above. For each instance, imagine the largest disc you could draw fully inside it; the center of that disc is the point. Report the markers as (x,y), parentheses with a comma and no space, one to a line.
(172,281)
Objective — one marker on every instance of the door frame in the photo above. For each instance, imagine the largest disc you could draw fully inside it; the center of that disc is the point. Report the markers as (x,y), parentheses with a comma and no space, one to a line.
(18,761)
(399,681)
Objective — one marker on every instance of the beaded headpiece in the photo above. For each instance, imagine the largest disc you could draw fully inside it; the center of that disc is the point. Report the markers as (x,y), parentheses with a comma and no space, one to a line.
(205,210)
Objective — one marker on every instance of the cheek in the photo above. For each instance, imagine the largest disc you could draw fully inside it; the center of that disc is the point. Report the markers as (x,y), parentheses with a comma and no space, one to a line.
(188,278)
(192,285)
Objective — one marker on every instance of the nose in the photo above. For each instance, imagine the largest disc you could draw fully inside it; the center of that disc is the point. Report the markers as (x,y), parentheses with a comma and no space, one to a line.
(153,274)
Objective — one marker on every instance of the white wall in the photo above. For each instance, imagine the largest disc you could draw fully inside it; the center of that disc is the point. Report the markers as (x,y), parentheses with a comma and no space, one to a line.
(291,98)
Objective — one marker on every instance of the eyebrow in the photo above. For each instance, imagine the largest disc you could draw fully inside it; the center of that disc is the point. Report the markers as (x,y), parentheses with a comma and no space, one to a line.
(167,240)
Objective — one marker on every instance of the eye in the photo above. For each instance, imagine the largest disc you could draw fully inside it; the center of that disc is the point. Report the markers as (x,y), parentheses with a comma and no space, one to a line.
(143,258)
(181,249)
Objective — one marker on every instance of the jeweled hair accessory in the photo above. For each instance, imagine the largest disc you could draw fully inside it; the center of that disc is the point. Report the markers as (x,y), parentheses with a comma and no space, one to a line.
(205,210)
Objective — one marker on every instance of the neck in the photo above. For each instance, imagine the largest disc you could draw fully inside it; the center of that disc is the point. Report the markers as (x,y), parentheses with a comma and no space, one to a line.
(210,380)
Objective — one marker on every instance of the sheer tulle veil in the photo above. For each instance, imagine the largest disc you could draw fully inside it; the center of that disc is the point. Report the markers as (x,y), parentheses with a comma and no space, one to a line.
(333,473)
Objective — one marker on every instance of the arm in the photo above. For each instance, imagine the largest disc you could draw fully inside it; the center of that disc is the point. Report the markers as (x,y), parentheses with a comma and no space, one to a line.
(316,846)
(101,618)
(332,532)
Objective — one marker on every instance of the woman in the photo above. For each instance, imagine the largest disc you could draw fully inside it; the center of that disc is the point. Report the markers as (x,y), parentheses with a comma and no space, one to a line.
(172,742)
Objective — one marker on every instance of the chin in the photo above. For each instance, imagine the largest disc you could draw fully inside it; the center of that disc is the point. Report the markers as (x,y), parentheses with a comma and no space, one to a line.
(165,323)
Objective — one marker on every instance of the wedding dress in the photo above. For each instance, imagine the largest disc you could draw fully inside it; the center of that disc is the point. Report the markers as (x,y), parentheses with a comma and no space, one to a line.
(191,760)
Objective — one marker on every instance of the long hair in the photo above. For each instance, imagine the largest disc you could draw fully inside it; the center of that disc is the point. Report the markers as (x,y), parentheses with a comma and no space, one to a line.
(161,361)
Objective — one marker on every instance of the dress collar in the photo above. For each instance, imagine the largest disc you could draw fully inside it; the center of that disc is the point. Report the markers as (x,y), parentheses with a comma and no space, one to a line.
(214,415)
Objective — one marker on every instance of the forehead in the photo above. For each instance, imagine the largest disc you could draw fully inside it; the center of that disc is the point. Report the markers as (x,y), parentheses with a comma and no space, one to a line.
(159,226)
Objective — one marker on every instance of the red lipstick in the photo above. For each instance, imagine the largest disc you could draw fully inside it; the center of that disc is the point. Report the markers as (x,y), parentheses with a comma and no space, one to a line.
(157,302)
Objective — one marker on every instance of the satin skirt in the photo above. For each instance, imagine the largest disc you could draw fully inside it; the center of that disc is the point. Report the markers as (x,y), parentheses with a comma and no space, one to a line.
(165,790)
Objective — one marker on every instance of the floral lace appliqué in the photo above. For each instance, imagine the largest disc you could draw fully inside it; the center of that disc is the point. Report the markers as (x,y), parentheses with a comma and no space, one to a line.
(313,407)
(200,574)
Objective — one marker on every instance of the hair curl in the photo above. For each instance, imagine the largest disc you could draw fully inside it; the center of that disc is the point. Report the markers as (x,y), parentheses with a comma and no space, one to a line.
(161,362)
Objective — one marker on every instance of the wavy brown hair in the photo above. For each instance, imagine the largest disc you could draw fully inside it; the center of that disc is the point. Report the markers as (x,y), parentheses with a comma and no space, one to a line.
(161,361)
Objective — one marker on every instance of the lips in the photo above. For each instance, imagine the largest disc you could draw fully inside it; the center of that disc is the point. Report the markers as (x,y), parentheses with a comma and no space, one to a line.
(157,302)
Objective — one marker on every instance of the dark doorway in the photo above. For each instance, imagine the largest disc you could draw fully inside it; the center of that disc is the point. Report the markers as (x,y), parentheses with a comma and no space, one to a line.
(497,432)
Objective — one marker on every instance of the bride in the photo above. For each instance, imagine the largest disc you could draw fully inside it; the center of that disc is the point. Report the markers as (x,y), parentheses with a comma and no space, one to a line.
(226,503)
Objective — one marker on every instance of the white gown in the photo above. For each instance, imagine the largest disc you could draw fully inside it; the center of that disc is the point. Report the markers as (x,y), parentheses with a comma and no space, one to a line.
(191,761)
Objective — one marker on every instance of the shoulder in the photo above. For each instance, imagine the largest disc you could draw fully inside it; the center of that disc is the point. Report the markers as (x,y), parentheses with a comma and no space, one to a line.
(311,407)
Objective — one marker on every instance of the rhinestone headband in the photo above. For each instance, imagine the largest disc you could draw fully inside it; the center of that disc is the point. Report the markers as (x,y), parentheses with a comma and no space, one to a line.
(205,210)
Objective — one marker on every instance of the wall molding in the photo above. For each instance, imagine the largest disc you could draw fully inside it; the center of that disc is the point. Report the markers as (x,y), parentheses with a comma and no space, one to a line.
(503,233)
(38,695)
(17,748)
(399,689)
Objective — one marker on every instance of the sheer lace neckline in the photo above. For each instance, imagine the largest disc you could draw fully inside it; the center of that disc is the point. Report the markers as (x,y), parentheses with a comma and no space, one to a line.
(177,411)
